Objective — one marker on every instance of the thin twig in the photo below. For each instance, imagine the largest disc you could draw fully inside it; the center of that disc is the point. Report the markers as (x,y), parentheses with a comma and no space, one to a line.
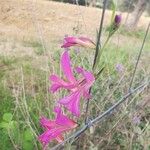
(103,115)
(97,119)
(128,11)
(140,52)
(11,139)
(98,45)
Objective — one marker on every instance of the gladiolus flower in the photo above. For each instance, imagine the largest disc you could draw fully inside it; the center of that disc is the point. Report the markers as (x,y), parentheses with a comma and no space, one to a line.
(77,88)
(55,128)
(78,41)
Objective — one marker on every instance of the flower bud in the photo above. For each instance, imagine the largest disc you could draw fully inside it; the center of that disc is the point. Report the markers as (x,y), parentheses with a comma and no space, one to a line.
(117,20)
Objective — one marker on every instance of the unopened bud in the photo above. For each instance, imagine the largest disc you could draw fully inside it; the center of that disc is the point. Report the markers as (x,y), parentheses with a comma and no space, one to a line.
(117,20)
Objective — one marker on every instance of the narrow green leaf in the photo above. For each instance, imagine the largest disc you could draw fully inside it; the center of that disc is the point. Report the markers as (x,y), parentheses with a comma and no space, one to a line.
(113,7)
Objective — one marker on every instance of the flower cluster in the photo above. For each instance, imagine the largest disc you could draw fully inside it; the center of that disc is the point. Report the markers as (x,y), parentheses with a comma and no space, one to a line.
(55,128)
(77,89)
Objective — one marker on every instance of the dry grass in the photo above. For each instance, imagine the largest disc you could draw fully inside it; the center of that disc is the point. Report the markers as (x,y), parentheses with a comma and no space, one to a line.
(21,19)
(31,32)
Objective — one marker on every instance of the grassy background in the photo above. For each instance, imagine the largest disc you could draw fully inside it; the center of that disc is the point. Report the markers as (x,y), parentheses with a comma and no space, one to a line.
(24,95)
(27,62)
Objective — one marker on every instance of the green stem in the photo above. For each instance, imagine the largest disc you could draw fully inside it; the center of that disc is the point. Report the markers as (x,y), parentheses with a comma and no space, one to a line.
(99,55)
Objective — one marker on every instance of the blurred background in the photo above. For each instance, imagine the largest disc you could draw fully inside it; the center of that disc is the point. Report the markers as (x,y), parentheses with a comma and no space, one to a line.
(136,7)
(31,35)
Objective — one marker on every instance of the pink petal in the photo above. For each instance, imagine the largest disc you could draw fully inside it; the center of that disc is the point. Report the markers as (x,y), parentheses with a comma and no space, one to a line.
(86,74)
(46,123)
(45,138)
(86,42)
(86,94)
(55,128)
(59,83)
(56,79)
(70,39)
(66,67)
(85,39)
(66,45)
(49,135)
(72,102)
(55,87)
(52,134)
(75,41)
(89,80)
(63,120)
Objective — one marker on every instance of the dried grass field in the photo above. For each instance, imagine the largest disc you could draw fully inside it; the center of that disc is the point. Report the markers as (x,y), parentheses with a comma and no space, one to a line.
(31,34)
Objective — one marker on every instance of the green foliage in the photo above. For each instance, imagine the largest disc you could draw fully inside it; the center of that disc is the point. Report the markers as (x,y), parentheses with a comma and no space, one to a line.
(9,129)
(140,33)
(39,50)
(7,102)
(7,61)
(5,142)
(24,96)
(7,122)
(7,125)
(7,117)
(28,140)
(28,135)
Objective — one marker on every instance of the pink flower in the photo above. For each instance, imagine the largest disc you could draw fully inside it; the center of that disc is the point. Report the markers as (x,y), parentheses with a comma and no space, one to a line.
(76,87)
(78,41)
(55,128)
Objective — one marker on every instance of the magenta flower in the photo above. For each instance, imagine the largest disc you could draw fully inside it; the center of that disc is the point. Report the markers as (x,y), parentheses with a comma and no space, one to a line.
(76,87)
(78,41)
(55,128)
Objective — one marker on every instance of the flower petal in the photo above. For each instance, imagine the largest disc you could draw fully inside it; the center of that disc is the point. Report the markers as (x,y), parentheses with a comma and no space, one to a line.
(75,41)
(86,74)
(89,80)
(66,45)
(46,123)
(55,87)
(66,67)
(45,138)
(55,128)
(56,79)
(85,42)
(86,93)
(85,39)
(69,41)
(59,83)
(52,134)
(63,120)
(72,103)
